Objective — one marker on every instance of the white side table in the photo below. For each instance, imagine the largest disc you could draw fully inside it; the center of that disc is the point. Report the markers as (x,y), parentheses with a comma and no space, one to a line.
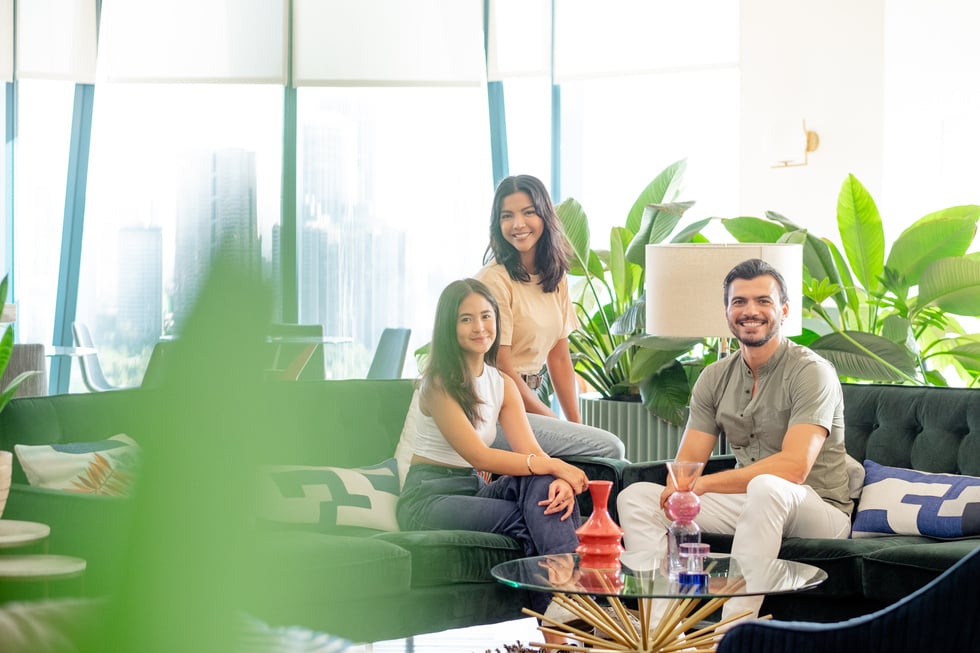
(41,568)
(34,567)
(15,533)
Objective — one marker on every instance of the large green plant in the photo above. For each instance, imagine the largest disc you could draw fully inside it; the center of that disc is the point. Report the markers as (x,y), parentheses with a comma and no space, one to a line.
(879,314)
(609,349)
(887,315)
(6,349)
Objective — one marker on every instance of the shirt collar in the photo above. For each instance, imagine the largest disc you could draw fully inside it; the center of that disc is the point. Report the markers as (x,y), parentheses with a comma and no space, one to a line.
(773,361)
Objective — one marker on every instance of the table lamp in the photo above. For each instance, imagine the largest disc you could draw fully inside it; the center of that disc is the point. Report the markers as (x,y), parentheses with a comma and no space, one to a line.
(685,286)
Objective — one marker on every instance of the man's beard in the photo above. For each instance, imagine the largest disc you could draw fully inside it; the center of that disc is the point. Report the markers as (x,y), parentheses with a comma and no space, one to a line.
(758,341)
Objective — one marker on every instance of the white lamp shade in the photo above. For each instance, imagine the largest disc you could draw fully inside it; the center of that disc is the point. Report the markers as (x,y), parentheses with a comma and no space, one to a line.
(685,285)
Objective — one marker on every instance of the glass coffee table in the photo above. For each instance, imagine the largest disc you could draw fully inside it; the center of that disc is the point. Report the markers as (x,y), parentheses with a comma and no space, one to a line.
(644,579)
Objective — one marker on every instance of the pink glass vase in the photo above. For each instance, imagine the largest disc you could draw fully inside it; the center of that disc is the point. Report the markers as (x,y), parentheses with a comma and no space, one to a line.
(600,537)
(683,507)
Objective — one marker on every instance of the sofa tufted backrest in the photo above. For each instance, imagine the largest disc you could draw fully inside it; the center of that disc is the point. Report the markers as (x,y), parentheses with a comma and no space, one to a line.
(345,423)
(59,419)
(930,429)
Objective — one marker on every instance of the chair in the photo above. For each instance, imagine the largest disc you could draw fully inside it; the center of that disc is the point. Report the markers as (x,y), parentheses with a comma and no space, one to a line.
(92,374)
(941,616)
(27,357)
(389,357)
(298,352)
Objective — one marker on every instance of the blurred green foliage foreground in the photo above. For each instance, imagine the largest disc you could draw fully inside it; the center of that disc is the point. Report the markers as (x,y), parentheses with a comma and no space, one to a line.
(188,551)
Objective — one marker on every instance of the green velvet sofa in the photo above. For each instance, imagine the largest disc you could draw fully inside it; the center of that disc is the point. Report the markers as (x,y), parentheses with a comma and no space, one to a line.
(360,583)
(929,429)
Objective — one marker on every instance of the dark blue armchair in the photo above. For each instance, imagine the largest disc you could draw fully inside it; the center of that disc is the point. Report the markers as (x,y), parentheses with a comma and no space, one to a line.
(941,616)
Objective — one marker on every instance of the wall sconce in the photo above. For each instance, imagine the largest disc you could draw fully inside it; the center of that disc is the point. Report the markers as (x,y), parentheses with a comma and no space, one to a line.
(809,142)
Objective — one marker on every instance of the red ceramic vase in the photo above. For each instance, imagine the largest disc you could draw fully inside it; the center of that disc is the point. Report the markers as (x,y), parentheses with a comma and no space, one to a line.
(600,537)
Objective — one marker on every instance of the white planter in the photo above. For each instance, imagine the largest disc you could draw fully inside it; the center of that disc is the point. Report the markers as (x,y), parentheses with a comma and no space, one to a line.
(646,436)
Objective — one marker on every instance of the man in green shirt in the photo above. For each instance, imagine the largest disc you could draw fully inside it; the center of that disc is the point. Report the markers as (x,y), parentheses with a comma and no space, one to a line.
(780,406)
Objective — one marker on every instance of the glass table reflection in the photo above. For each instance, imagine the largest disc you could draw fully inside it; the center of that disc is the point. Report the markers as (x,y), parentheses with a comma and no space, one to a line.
(644,578)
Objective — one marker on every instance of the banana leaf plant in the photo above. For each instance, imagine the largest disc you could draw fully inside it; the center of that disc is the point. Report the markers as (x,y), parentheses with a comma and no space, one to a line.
(6,349)
(887,316)
(609,349)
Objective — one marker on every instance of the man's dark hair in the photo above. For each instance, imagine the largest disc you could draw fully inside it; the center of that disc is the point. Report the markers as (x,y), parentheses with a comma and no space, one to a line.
(752,268)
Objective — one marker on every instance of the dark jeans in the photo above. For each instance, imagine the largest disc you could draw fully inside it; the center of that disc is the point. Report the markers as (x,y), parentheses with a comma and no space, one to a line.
(436,497)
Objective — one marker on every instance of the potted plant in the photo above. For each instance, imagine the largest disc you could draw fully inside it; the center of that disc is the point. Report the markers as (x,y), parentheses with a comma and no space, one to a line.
(875,317)
(872,324)
(6,349)
(647,377)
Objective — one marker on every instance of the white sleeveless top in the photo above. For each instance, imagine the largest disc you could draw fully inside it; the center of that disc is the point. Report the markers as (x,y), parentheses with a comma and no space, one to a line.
(432,444)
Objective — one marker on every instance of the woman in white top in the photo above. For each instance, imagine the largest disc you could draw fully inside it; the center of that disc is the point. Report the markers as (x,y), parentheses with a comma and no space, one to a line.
(525,267)
(462,398)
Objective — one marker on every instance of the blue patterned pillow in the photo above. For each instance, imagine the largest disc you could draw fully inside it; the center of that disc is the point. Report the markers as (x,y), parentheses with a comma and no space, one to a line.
(324,498)
(907,502)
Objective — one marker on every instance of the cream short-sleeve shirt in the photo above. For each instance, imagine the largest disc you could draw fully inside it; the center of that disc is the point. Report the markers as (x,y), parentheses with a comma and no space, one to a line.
(531,320)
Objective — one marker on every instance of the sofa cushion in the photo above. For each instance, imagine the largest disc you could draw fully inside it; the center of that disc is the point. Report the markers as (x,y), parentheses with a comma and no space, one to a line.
(893,572)
(450,556)
(294,566)
(106,467)
(910,502)
(324,498)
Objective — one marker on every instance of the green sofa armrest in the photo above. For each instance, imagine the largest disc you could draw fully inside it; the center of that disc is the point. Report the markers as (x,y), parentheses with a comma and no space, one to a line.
(655,471)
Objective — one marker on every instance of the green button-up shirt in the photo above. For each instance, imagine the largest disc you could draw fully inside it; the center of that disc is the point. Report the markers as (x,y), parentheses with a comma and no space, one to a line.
(795,386)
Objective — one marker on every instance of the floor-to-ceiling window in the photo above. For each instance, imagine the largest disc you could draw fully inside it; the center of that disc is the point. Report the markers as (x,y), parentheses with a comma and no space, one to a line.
(175,170)
(619,132)
(393,160)
(42,140)
(644,84)
(394,191)
(528,105)
(393,171)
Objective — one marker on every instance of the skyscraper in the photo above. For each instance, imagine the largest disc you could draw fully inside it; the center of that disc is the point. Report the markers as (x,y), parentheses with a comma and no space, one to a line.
(215,208)
(351,266)
(140,297)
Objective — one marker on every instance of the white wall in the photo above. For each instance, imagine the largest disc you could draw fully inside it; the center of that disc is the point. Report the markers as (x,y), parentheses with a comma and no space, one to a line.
(932,108)
(819,60)
(891,87)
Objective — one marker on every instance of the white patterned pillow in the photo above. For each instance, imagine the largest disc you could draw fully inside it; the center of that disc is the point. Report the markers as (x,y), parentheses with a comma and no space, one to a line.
(908,502)
(103,467)
(327,497)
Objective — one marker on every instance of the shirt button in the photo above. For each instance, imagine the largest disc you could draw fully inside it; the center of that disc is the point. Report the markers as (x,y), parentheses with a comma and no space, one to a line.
(751,435)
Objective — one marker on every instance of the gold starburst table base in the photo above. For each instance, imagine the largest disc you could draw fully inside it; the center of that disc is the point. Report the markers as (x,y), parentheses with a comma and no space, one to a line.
(612,630)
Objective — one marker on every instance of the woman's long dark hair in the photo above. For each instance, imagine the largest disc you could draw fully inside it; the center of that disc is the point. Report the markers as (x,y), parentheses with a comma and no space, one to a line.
(446,368)
(551,254)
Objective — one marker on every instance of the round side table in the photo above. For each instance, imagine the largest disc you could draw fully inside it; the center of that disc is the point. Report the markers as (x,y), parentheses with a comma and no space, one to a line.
(15,533)
(36,567)
(40,567)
